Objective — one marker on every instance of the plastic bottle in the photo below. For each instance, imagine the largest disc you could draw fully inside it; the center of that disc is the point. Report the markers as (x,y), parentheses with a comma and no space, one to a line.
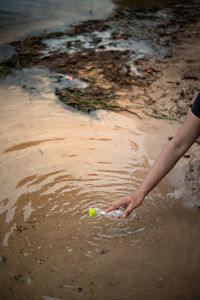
(99,212)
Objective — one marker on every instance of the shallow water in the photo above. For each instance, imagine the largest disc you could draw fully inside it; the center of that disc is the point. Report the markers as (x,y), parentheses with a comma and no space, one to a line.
(71,159)
(61,161)
(55,164)
(22,17)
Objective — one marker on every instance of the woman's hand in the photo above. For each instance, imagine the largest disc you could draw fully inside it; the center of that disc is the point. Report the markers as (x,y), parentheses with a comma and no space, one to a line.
(130,202)
(167,159)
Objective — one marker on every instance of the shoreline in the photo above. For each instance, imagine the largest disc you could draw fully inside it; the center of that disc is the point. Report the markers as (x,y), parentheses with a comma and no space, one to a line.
(105,66)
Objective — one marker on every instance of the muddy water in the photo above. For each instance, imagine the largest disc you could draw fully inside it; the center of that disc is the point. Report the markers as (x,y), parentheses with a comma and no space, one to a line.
(73,160)
(55,164)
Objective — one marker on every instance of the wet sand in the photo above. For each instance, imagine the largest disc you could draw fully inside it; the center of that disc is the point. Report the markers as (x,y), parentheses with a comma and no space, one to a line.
(57,162)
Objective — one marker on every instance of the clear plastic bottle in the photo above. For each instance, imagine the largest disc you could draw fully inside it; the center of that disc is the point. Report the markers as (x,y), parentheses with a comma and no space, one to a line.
(99,212)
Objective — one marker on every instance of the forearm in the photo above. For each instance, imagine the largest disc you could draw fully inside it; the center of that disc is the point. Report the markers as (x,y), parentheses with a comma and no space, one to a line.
(164,163)
(172,153)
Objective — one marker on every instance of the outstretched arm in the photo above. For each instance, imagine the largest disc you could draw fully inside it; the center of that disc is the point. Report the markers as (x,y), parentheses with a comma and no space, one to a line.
(167,159)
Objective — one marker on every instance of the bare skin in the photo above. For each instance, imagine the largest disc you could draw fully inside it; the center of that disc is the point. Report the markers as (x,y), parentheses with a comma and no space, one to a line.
(166,160)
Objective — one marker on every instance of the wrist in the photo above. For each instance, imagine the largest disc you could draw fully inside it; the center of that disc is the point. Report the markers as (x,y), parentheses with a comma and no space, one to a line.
(141,192)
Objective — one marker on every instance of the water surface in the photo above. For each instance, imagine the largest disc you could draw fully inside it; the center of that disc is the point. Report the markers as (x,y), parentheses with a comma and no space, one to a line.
(55,164)
(18,18)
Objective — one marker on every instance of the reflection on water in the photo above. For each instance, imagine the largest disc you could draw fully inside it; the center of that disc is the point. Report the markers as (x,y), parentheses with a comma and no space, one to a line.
(18,18)
(56,161)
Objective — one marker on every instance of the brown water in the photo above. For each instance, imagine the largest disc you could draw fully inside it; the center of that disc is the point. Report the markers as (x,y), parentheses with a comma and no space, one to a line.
(65,155)
(55,164)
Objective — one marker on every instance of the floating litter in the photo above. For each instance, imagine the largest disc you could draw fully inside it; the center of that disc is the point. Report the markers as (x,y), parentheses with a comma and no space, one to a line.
(99,212)
(92,212)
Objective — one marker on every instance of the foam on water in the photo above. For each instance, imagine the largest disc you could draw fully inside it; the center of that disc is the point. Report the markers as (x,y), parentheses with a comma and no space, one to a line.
(142,42)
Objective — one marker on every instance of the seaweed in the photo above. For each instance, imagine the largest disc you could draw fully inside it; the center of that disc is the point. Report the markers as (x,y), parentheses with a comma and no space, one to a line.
(160,116)
(14,62)
(88,99)
(26,51)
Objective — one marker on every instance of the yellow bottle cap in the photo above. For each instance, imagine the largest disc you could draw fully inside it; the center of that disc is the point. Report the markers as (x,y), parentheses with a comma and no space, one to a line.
(92,212)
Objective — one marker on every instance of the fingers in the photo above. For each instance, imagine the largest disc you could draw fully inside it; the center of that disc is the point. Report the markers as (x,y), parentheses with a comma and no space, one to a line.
(115,205)
(132,205)
(129,202)
(111,208)
(128,211)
